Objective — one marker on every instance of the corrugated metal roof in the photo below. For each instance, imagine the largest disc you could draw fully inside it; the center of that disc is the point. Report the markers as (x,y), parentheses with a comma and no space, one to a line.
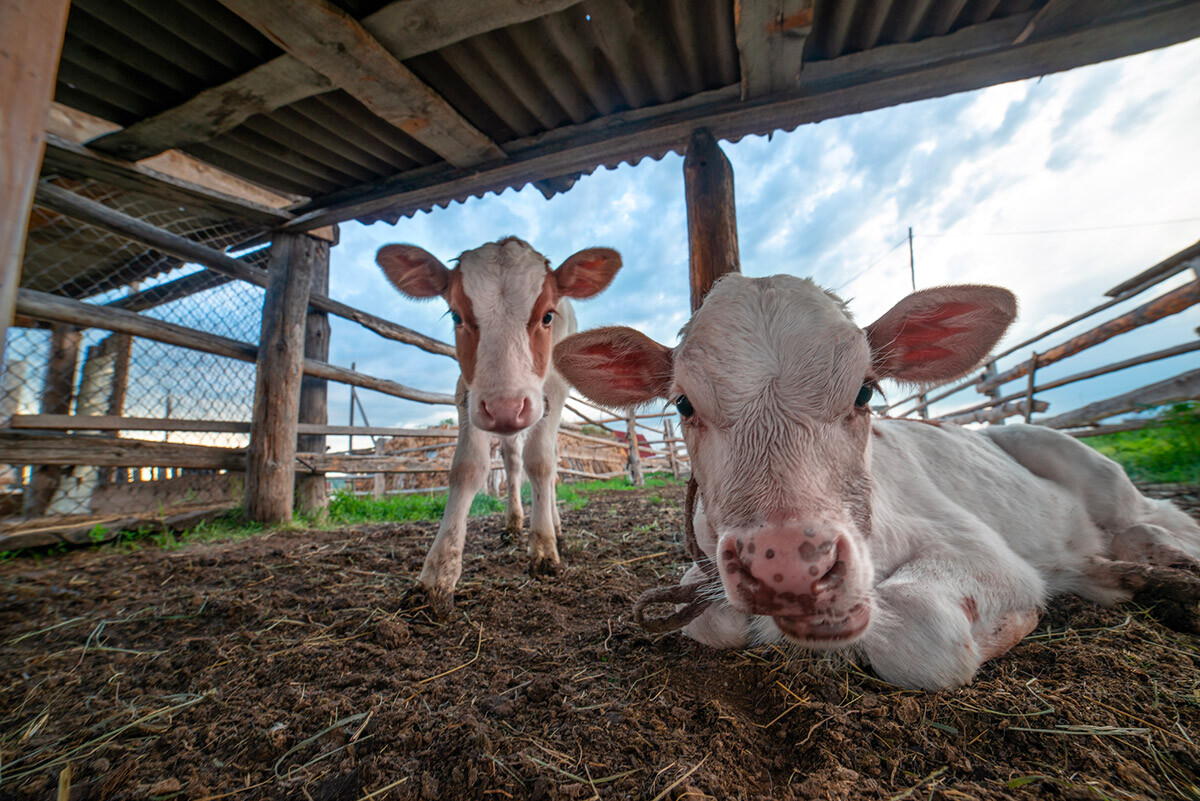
(543,82)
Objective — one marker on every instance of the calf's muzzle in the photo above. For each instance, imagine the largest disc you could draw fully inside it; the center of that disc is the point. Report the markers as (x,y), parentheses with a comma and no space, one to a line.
(799,575)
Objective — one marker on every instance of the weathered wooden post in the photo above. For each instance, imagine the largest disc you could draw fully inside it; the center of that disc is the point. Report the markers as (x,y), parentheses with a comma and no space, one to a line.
(311,493)
(669,431)
(57,394)
(379,486)
(712,221)
(1029,388)
(635,456)
(31,40)
(271,458)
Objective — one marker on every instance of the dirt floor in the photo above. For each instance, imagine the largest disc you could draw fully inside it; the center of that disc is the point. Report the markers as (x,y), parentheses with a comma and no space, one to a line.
(294,666)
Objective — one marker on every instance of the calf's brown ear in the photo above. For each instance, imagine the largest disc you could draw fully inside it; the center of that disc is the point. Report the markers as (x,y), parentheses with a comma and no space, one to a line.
(941,333)
(615,366)
(414,271)
(587,272)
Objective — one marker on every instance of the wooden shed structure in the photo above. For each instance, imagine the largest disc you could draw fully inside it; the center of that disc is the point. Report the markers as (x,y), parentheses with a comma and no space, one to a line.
(137,136)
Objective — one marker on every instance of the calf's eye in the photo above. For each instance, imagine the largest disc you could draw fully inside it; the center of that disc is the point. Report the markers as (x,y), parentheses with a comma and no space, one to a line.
(456,317)
(547,318)
(864,396)
(684,406)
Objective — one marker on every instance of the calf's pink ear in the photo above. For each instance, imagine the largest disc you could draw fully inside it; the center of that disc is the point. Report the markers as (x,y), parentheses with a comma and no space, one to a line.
(587,273)
(615,366)
(939,334)
(414,271)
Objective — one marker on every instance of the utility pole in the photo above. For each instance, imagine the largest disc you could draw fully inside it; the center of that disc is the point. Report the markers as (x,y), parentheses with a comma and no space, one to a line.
(912,265)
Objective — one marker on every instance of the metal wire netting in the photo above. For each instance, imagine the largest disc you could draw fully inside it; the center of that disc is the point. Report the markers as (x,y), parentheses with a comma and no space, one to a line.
(116,374)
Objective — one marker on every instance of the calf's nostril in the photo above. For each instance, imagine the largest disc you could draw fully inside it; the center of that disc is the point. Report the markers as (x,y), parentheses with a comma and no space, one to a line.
(831,579)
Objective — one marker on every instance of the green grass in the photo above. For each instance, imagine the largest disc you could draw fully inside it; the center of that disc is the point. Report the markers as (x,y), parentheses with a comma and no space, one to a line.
(346,509)
(1164,454)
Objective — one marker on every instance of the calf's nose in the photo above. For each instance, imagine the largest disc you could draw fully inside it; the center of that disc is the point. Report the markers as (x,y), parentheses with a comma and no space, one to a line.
(506,415)
(784,571)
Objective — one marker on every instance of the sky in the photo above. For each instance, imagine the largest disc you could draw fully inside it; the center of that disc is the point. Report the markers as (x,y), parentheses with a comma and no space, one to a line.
(1057,188)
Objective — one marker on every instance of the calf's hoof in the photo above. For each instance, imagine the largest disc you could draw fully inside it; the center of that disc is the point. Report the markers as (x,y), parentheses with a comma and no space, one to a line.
(1173,597)
(544,566)
(441,602)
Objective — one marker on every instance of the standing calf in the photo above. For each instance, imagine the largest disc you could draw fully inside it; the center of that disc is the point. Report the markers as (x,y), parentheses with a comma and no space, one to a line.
(509,309)
(925,548)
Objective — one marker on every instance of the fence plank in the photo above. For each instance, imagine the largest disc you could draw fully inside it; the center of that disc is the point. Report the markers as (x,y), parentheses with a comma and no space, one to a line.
(53,308)
(89,211)
(1172,302)
(19,447)
(1183,387)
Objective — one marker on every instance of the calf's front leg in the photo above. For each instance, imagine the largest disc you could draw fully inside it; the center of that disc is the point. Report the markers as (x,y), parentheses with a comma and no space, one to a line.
(468,472)
(933,624)
(541,463)
(510,447)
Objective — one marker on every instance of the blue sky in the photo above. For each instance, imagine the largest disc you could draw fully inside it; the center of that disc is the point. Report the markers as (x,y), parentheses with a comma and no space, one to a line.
(1057,188)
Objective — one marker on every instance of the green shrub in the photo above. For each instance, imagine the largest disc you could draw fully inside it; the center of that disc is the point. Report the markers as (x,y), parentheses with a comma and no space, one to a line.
(1167,453)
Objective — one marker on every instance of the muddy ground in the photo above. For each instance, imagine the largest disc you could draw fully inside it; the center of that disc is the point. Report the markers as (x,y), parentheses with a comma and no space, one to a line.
(293,666)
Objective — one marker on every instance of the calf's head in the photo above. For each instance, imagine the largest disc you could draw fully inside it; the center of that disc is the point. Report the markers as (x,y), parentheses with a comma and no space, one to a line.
(503,300)
(772,381)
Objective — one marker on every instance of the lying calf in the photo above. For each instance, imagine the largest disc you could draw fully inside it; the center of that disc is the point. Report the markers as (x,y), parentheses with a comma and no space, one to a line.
(509,309)
(927,549)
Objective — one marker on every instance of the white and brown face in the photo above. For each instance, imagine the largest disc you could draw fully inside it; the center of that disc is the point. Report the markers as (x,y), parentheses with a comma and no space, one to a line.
(503,300)
(772,381)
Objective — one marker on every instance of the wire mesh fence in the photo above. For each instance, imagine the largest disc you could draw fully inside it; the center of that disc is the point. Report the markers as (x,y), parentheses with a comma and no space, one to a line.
(115,374)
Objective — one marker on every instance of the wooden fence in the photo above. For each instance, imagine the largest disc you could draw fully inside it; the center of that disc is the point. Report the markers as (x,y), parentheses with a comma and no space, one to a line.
(1086,420)
(423,456)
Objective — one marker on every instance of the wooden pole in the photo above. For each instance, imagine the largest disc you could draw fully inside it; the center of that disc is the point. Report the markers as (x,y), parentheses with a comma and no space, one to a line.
(669,432)
(635,456)
(712,221)
(57,394)
(1029,389)
(31,38)
(312,495)
(270,460)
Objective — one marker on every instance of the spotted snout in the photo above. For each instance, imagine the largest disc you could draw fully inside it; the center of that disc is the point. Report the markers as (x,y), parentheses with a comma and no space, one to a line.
(810,581)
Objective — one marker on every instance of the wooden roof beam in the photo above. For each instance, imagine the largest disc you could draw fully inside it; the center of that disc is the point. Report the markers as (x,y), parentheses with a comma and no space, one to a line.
(333,43)
(77,161)
(770,42)
(406,29)
(971,58)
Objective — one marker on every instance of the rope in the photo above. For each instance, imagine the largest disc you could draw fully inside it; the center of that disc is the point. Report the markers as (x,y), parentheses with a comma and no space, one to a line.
(686,594)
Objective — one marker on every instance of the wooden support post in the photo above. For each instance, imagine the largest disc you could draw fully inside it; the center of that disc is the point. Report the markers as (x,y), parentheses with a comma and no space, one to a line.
(57,394)
(669,432)
(312,495)
(31,40)
(635,456)
(1029,388)
(379,486)
(712,222)
(270,460)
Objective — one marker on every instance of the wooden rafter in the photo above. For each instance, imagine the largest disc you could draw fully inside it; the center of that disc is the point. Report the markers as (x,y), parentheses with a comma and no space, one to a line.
(332,42)
(406,29)
(770,43)
(76,161)
(971,58)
